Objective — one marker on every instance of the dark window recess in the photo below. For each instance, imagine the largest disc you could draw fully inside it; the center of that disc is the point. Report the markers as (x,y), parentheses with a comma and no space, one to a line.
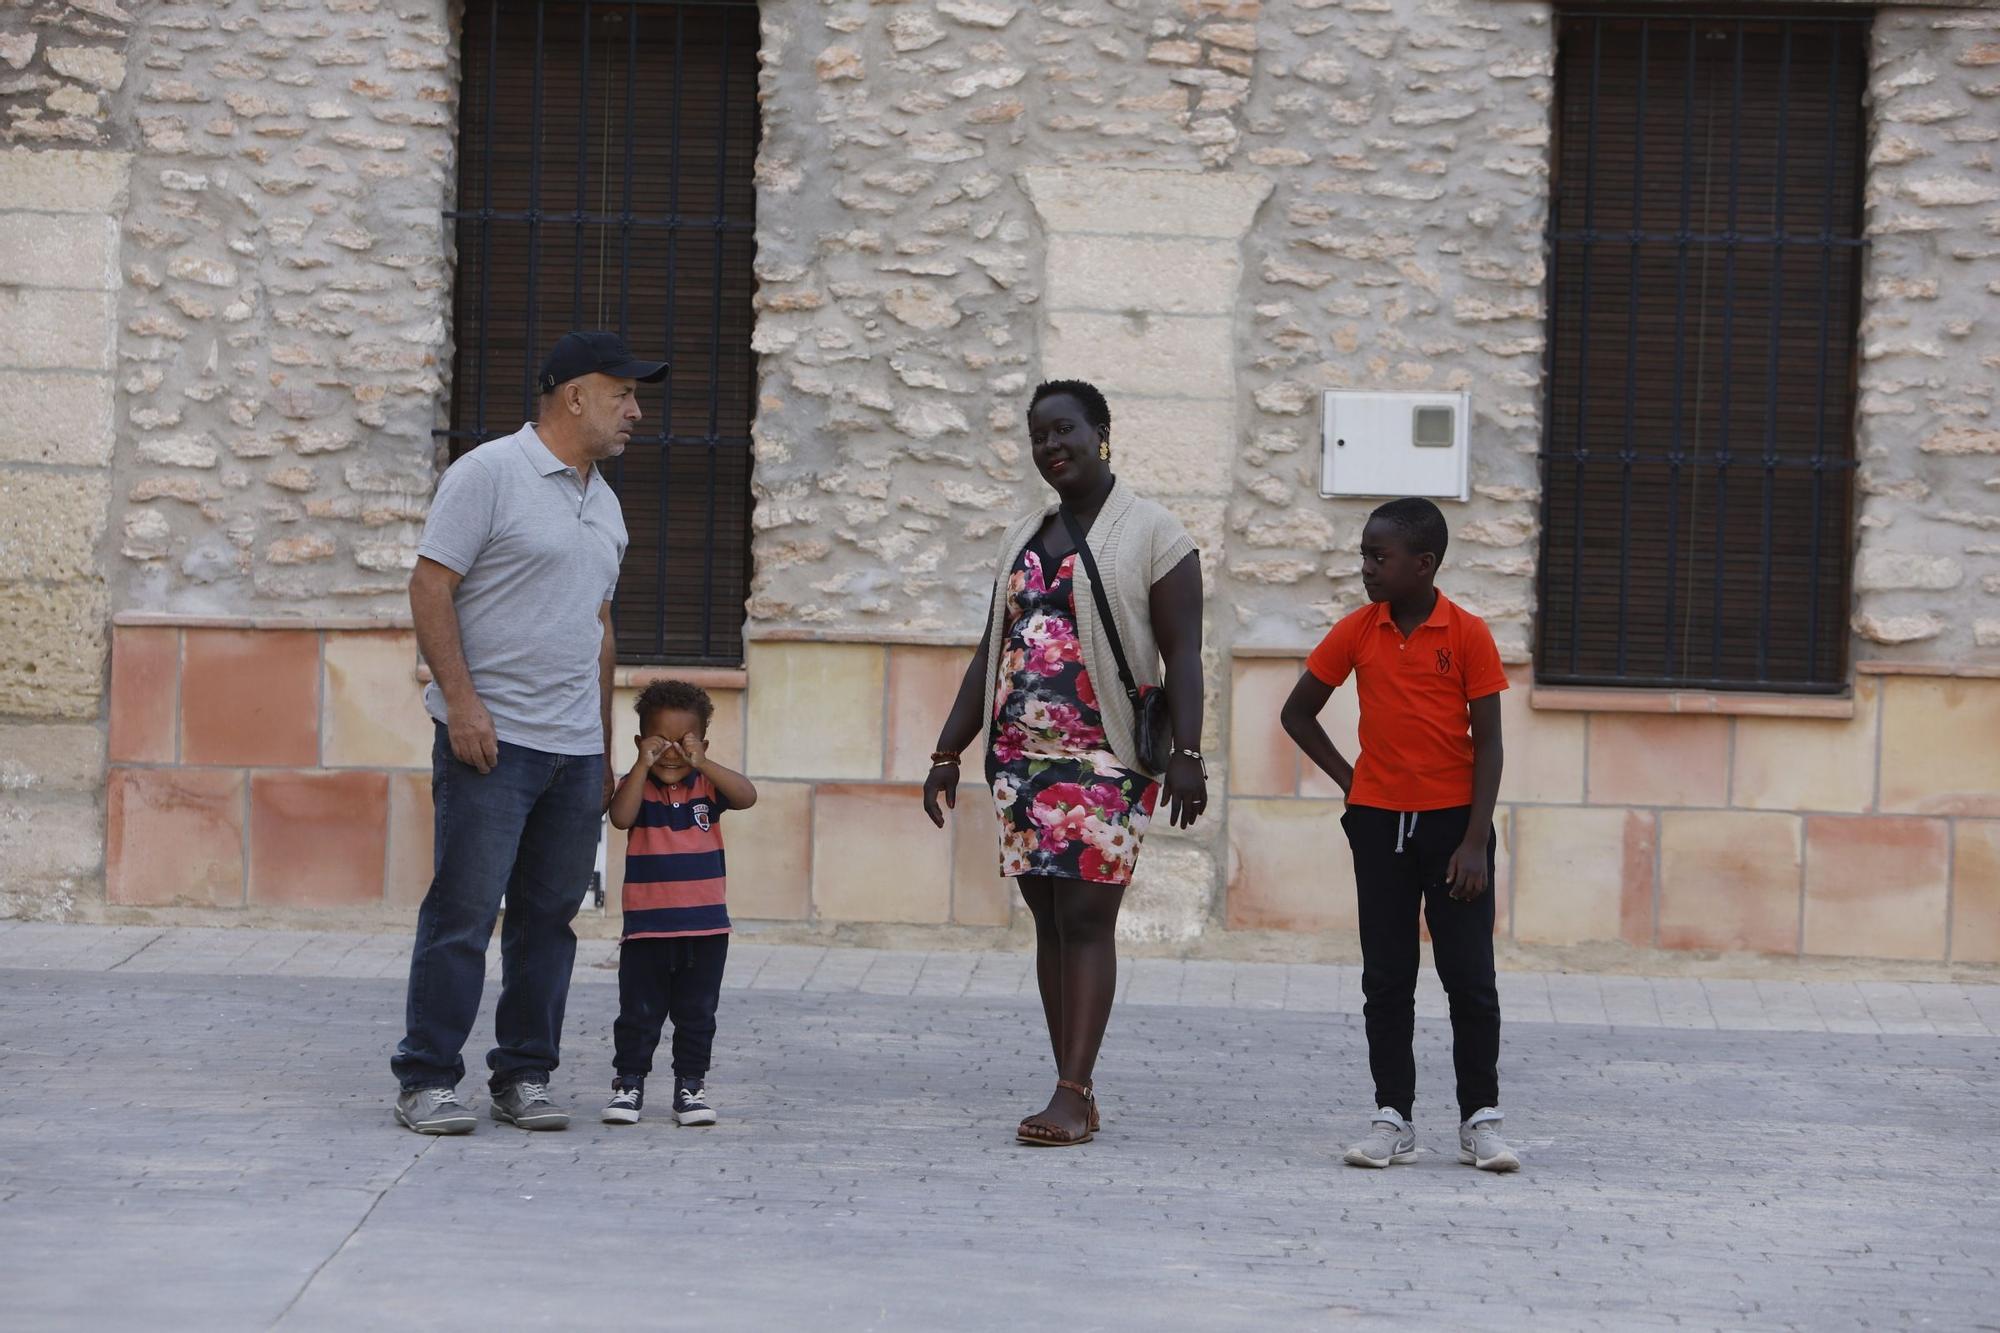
(604,181)
(1705,258)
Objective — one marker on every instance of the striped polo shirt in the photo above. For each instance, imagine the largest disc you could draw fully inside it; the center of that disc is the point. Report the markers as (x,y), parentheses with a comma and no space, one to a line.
(674,878)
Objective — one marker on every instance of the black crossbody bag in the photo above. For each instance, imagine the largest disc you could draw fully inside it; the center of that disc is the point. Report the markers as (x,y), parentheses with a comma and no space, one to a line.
(1152,725)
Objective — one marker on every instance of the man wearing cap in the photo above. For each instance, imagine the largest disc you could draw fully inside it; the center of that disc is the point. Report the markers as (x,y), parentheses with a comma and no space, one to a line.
(512,602)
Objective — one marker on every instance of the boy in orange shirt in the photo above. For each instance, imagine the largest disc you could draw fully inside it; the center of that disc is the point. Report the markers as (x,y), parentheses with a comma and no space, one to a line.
(1419,821)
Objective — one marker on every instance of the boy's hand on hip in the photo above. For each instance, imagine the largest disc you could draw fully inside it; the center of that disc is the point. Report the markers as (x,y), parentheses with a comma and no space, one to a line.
(472,737)
(1466,871)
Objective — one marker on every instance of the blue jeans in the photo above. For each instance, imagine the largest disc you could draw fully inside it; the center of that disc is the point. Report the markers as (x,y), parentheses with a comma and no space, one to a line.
(526,832)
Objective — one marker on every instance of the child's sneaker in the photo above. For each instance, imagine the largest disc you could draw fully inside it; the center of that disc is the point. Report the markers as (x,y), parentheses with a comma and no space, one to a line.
(690,1107)
(1391,1139)
(1480,1144)
(626,1099)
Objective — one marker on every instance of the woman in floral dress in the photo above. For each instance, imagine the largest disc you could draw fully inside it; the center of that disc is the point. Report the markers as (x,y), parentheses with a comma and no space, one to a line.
(1062,757)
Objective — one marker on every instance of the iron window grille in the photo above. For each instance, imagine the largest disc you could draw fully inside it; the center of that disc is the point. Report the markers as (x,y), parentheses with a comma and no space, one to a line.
(1705,249)
(605,181)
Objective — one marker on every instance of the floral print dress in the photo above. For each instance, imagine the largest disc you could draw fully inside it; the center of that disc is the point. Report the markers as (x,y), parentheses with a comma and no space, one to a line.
(1068,808)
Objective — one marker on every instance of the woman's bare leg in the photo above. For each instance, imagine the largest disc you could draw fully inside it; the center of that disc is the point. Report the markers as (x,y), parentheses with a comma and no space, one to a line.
(1039,894)
(1086,918)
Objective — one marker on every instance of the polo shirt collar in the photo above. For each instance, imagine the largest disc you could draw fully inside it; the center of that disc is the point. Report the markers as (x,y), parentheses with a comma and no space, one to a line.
(538,454)
(1440,612)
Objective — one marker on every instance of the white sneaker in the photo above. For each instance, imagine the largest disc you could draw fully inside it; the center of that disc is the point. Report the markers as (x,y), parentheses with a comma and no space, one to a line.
(1480,1144)
(623,1108)
(1391,1140)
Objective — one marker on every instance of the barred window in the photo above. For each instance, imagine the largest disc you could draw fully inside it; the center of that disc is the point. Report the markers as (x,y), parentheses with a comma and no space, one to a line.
(604,181)
(1705,257)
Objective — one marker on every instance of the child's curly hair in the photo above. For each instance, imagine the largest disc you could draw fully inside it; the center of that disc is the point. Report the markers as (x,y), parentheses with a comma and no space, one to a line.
(677,696)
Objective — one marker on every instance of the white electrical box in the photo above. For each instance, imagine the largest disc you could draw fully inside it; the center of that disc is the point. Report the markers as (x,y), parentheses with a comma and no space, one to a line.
(1394,444)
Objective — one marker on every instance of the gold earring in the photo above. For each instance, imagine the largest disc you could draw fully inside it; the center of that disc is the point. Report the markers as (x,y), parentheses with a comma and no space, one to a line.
(1104,450)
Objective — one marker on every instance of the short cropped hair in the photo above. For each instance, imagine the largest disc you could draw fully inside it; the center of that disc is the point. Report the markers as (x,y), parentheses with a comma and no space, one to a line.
(676,696)
(1421,523)
(1095,410)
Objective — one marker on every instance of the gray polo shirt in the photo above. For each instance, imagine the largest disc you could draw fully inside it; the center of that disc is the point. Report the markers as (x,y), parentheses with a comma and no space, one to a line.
(538,551)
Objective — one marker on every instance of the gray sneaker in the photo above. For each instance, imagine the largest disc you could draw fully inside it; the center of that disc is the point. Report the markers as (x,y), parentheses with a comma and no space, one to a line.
(527,1105)
(1480,1144)
(1391,1140)
(433,1111)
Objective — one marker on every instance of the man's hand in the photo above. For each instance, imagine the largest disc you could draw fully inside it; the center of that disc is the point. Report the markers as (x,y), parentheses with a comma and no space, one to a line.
(610,782)
(695,749)
(1344,779)
(472,736)
(1465,873)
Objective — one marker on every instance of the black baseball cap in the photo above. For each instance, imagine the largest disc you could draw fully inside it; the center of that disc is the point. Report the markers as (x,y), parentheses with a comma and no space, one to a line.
(595,352)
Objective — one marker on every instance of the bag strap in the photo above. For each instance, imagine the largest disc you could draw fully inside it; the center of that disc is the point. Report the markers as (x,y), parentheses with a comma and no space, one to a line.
(1103,602)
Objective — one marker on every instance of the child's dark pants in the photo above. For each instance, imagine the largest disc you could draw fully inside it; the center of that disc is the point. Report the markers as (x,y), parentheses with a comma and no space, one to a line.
(1399,862)
(678,978)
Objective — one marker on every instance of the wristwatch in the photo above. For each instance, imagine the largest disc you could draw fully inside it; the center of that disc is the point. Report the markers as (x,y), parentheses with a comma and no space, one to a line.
(1196,756)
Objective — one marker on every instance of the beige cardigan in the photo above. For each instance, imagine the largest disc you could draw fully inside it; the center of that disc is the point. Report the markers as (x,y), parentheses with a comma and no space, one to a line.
(1136,542)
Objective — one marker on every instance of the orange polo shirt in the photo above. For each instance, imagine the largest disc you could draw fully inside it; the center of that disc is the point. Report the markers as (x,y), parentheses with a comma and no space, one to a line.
(1416,723)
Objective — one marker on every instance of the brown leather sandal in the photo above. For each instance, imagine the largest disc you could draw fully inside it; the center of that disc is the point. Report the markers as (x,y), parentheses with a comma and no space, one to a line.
(1037,1134)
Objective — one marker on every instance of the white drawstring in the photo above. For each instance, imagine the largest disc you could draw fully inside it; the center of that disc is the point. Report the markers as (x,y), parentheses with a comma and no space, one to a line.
(1400,831)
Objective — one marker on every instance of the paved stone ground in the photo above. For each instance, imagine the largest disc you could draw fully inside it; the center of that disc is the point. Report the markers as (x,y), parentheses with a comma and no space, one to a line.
(194,1133)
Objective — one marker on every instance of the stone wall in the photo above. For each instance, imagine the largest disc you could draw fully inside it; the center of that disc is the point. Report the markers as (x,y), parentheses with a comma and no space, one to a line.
(284,322)
(1927,570)
(63,188)
(903,311)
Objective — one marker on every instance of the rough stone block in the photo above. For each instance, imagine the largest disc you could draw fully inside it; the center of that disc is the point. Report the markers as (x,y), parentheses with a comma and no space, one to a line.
(56,417)
(980,895)
(50,250)
(1876,886)
(318,839)
(1799,763)
(1145,203)
(50,524)
(1939,756)
(816,710)
(1157,274)
(65,181)
(51,848)
(1658,759)
(769,849)
(174,835)
(1173,356)
(371,706)
(37,757)
(1175,446)
(1975,891)
(1729,880)
(145,694)
(875,856)
(52,649)
(56,330)
(1289,867)
(1172,889)
(1263,761)
(1582,875)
